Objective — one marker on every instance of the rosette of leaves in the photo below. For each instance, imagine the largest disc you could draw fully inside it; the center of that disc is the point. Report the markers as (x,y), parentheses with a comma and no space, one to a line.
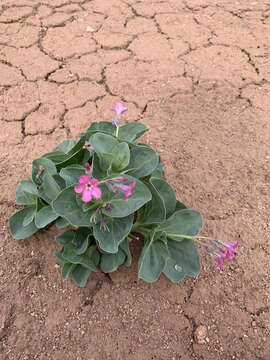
(152,212)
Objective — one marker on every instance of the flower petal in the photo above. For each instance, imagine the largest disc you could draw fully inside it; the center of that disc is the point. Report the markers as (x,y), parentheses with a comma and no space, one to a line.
(94,182)
(96,192)
(87,195)
(84,180)
(79,188)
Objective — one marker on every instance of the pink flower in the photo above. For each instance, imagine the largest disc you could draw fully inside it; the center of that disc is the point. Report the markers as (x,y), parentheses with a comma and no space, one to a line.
(127,189)
(118,108)
(229,254)
(219,259)
(88,188)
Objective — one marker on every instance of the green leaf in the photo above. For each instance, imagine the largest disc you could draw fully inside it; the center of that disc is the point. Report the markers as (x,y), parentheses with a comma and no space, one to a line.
(124,246)
(132,131)
(140,196)
(69,254)
(121,157)
(167,194)
(56,156)
(118,229)
(103,143)
(60,181)
(143,159)
(81,240)
(102,126)
(81,156)
(38,167)
(45,216)
(49,188)
(80,275)
(17,230)
(61,223)
(98,171)
(39,204)
(183,222)
(66,145)
(158,172)
(73,156)
(66,205)
(111,262)
(184,261)
(153,259)
(29,215)
(67,270)
(59,258)
(180,206)
(72,174)
(65,237)
(154,211)
(26,193)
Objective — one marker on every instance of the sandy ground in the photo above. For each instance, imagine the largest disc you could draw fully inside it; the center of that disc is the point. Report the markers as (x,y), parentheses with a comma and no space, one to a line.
(198,74)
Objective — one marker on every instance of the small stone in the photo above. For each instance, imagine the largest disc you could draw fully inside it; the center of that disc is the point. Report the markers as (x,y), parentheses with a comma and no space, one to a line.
(57,266)
(253,323)
(200,334)
(89,29)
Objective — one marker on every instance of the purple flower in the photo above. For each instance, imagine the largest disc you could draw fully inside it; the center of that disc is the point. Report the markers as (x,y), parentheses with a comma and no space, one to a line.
(127,189)
(219,259)
(229,254)
(118,108)
(109,207)
(88,188)
(220,251)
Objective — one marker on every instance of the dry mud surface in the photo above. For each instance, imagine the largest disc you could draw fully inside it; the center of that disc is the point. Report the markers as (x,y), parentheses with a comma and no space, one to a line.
(198,74)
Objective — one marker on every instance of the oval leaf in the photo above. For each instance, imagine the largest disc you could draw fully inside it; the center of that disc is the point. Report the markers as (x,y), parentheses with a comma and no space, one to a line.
(71,174)
(66,205)
(111,262)
(140,196)
(182,222)
(26,193)
(66,237)
(45,216)
(167,194)
(143,161)
(131,131)
(153,259)
(70,255)
(118,229)
(17,230)
(184,261)
(121,157)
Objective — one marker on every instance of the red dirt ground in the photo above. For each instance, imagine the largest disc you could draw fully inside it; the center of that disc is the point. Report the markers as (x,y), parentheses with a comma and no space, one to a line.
(198,74)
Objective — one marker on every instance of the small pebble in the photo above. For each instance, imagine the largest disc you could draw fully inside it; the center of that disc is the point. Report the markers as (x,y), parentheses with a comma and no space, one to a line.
(200,334)
(89,29)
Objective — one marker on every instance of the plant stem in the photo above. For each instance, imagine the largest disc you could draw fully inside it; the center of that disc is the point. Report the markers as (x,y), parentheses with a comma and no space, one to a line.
(189,237)
(116,132)
(133,237)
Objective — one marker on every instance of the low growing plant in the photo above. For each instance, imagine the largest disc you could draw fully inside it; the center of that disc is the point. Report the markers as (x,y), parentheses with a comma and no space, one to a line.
(108,195)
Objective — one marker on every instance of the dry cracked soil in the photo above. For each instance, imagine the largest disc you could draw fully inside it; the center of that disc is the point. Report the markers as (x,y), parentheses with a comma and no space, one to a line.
(197,73)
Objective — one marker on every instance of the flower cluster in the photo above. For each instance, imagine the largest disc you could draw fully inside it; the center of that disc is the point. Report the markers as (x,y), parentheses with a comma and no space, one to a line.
(89,186)
(115,185)
(220,251)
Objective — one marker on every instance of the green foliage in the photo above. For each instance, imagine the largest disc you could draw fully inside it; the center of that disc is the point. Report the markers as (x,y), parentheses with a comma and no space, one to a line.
(136,199)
